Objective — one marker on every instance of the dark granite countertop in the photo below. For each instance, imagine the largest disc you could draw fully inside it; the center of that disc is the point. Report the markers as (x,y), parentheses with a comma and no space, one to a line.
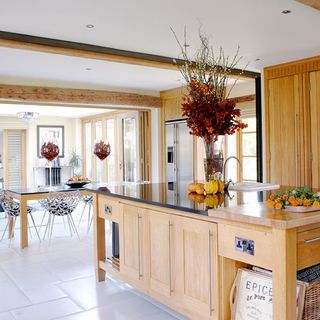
(175,196)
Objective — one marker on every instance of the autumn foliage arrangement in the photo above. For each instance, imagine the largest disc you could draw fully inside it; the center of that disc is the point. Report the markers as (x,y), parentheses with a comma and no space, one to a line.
(49,150)
(206,106)
(295,197)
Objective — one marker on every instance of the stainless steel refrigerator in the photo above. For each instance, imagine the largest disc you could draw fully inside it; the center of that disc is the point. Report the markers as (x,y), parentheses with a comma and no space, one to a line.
(179,159)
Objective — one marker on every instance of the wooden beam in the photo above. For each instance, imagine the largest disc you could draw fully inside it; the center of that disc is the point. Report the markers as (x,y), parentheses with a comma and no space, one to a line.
(248,98)
(83,97)
(89,51)
(311,3)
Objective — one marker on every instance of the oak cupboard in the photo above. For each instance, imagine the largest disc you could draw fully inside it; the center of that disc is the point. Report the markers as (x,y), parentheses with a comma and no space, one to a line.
(161,253)
(292,96)
(172,258)
(133,251)
(196,283)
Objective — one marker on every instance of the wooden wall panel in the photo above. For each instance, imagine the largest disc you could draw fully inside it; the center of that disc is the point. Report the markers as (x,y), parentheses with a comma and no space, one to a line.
(315,128)
(283,141)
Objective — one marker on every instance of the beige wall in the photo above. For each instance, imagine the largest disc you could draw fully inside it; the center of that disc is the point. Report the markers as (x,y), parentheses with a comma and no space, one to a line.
(72,138)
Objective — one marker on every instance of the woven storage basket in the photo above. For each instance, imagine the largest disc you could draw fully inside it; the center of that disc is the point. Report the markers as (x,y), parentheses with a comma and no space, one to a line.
(312,301)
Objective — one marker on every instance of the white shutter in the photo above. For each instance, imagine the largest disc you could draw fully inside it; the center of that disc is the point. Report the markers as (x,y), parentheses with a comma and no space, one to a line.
(15,158)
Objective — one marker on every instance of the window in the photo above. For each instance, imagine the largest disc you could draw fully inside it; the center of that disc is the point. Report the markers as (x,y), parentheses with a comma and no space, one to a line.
(98,138)
(111,160)
(88,149)
(248,150)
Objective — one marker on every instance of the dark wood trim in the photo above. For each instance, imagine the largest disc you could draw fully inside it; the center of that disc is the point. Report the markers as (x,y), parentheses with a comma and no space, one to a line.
(83,97)
(259,130)
(84,50)
(248,98)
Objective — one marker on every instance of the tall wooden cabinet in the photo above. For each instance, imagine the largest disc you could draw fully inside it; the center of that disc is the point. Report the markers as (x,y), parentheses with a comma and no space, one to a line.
(292,115)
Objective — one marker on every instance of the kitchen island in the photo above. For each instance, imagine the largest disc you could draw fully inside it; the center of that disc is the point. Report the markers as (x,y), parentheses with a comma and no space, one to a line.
(187,256)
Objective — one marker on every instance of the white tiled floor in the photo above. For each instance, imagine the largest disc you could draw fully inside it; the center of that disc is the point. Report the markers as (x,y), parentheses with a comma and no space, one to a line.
(56,281)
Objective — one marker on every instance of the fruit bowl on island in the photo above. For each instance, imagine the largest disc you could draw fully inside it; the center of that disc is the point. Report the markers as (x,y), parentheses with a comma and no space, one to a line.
(77,182)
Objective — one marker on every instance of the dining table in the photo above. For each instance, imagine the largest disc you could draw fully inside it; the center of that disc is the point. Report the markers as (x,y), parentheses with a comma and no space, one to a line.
(25,194)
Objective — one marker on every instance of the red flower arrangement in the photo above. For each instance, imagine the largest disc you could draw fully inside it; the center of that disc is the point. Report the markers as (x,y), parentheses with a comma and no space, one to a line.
(49,151)
(102,150)
(206,116)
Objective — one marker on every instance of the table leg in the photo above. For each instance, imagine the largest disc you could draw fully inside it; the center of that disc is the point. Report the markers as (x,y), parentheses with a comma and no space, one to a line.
(99,240)
(284,274)
(24,223)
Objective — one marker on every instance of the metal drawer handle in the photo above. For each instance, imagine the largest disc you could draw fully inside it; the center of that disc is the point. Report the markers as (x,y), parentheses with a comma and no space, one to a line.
(139,249)
(312,240)
(170,261)
(107,209)
(211,309)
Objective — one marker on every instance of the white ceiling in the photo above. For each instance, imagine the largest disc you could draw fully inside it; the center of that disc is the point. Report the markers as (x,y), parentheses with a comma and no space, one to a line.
(68,112)
(258,26)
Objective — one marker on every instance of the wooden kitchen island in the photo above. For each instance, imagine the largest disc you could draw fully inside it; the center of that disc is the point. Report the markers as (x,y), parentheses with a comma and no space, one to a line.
(185,256)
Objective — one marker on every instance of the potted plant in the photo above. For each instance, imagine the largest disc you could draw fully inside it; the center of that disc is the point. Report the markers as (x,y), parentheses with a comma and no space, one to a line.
(75,160)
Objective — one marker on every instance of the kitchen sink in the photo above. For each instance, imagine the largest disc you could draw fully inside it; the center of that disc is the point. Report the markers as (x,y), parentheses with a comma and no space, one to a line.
(252,186)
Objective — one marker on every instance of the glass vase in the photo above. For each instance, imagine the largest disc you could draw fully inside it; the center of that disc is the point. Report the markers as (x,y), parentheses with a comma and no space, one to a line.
(213,163)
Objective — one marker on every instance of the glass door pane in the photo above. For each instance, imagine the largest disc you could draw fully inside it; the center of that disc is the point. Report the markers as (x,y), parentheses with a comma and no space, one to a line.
(111,160)
(98,138)
(129,149)
(88,168)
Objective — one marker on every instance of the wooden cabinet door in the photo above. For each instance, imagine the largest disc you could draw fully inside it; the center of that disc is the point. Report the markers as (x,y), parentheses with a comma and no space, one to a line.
(132,245)
(284,130)
(315,129)
(196,283)
(161,245)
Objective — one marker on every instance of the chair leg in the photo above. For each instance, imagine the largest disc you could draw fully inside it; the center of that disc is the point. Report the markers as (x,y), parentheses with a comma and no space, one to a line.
(47,227)
(52,223)
(35,228)
(70,225)
(90,218)
(14,224)
(41,224)
(84,208)
(28,225)
(74,226)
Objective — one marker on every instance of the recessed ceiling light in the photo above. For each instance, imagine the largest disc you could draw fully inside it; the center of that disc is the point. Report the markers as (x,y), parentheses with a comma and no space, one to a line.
(90,26)
(286,11)
(88,69)
(258,59)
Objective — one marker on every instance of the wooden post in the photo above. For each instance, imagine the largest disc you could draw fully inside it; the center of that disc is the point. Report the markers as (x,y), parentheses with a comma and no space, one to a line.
(24,222)
(284,274)
(99,240)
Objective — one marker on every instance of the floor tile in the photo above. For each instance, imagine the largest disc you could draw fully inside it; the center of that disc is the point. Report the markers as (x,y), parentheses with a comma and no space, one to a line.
(47,311)
(6,316)
(89,294)
(11,296)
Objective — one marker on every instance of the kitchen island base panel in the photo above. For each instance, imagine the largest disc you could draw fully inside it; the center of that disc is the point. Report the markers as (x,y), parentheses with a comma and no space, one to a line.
(278,243)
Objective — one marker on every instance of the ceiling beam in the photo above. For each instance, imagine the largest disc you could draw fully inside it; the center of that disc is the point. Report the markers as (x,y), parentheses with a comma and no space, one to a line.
(77,97)
(311,3)
(89,51)
(241,99)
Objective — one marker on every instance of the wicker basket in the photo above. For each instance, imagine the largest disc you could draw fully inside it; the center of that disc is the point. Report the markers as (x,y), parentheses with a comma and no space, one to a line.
(312,301)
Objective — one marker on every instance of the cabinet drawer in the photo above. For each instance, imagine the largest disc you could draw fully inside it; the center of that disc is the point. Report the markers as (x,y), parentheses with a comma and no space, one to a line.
(258,248)
(308,248)
(109,209)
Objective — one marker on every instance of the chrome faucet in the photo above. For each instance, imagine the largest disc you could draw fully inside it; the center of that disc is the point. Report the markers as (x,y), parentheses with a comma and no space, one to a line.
(226,184)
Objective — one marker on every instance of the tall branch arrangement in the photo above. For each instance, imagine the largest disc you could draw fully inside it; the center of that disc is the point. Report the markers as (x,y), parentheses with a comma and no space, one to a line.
(208,110)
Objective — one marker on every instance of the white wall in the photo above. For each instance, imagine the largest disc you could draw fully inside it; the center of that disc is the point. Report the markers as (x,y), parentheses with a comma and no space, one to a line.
(72,138)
